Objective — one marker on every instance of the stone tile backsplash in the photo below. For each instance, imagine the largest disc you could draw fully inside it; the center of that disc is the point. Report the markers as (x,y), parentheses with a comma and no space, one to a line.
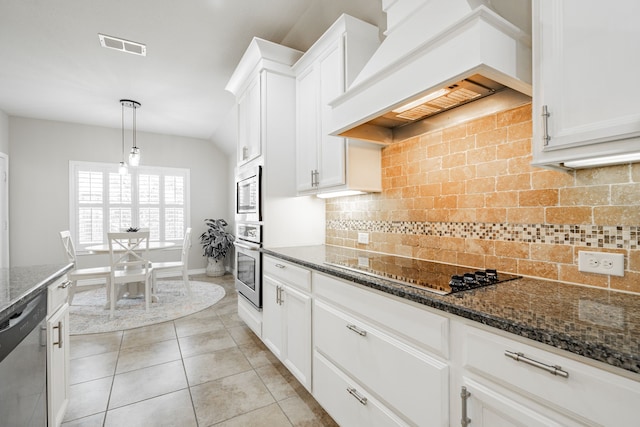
(468,195)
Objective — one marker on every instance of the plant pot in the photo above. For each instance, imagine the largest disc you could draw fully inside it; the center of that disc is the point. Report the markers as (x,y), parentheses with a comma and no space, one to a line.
(215,267)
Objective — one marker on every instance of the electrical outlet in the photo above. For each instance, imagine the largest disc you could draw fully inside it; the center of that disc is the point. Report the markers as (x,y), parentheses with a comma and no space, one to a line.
(363,238)
(601,263)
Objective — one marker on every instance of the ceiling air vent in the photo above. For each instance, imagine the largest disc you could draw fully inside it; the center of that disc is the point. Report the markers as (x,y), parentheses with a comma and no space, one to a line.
(122,45)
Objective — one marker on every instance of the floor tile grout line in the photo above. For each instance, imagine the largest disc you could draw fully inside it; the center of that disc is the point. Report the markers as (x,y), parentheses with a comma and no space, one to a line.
(184,368)
(113,378)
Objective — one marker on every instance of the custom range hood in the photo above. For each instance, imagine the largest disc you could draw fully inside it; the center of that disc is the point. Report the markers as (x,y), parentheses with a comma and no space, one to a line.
(442,62)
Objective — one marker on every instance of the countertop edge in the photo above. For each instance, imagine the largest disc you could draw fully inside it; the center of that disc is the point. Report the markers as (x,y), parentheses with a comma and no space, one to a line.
(593,351)
(34,290)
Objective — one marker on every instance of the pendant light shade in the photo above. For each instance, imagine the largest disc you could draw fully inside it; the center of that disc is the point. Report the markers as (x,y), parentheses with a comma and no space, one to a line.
(134,154)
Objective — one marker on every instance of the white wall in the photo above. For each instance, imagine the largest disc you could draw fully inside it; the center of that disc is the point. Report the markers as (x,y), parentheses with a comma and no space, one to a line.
(321,14)
(4,133)
(39,181)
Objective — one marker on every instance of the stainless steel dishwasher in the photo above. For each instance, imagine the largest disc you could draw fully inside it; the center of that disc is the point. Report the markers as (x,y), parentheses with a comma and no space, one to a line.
(23,365)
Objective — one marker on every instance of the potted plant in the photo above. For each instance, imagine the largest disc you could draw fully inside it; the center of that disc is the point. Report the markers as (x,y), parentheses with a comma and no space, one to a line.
(216,242)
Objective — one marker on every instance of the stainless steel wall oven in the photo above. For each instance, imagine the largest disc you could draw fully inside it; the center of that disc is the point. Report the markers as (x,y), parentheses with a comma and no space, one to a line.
(249,262)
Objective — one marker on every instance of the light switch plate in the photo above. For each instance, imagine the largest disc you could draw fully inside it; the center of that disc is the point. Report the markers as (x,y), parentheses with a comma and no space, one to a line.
(601,263)
(363,238)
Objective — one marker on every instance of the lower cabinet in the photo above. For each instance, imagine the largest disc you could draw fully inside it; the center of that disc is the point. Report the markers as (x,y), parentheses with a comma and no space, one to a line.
(57,352)
(286,318)
(487,406)
(511,381)
(411,385)
(371,359)
(347,401)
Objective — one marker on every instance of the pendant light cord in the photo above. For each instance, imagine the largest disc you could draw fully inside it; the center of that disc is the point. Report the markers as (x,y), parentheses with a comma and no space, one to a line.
(122,132)
(134,126)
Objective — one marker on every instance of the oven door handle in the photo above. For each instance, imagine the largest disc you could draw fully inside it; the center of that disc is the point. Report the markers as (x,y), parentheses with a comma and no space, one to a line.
(246,246)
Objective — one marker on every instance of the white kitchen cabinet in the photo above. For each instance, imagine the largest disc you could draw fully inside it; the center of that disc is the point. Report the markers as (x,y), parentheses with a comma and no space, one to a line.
(346,400)
(526,392)
(264,86)
(57,351)
(265,89)
(585,63)
(385,362)
(249,144)
(326,163)
(286,328)
(488,407)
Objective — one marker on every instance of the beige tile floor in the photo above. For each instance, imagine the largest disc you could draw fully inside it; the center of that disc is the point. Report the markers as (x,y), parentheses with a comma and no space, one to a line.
(206,369)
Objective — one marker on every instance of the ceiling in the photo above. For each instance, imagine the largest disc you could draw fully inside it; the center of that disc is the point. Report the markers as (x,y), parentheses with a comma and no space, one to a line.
(53,67)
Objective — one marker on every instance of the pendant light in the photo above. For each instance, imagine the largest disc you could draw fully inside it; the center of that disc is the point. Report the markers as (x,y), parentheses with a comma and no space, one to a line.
(134,154)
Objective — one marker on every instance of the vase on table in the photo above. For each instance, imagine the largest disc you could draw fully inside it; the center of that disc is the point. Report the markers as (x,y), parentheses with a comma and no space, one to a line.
(215,267)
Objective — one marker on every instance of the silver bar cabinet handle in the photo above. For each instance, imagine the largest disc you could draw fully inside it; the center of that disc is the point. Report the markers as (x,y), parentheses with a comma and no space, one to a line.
(353,392)
(59,328)
(279,266)
(552,369)
(357,330)
(464,395)
(545,125)
(64,284)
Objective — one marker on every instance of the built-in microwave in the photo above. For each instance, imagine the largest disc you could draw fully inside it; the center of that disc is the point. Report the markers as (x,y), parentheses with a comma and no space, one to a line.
(248,195)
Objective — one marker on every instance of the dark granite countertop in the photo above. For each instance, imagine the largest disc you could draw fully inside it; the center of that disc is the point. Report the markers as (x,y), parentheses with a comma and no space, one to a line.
(596,323)
(21,284)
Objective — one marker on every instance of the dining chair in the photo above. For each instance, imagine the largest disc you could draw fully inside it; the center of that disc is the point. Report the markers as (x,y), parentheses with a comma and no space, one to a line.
(175,265)
(82,273)
(129,258)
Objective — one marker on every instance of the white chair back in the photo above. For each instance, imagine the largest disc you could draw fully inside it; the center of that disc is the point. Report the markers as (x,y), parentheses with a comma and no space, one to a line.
(186,244)
(129,250)
(67,244)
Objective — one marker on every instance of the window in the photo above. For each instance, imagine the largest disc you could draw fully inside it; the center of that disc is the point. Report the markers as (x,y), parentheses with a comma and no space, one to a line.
(102,200)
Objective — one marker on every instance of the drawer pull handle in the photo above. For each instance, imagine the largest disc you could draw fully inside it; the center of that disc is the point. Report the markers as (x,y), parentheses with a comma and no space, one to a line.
(64,284)
(357,330)
(280,266)
(59,328)
(353,392)
(520,357)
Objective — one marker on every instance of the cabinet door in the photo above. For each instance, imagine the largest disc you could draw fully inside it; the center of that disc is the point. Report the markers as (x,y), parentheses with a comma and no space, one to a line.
(250,122)
(489,408)
(297,307)
(58,365)
(332,166)
(272,316)
(306,129)
(584,71)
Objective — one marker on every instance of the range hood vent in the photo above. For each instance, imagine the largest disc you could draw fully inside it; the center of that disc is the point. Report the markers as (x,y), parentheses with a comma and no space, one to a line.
(439,56)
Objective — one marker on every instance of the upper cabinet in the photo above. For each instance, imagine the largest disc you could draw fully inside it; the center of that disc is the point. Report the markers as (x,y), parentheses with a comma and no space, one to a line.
(327,163)
(249,120)
(264,86)
(585,103)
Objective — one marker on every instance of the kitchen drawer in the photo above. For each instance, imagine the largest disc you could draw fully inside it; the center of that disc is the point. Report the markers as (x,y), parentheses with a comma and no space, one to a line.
(57,294)
(587,393)
(417,325)
(406,379)
(344,399)
(287,272)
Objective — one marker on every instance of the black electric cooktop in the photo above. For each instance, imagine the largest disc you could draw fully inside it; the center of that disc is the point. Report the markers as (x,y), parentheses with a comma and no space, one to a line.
(432,276)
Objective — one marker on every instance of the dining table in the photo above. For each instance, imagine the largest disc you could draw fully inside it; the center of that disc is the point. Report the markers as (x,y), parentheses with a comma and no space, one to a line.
(133,289)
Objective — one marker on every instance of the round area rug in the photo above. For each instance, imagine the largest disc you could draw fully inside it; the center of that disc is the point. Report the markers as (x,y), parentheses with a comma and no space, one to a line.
(88,315)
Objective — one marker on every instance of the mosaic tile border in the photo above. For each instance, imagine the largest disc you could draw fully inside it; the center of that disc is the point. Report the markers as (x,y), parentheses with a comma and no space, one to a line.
(584,235)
